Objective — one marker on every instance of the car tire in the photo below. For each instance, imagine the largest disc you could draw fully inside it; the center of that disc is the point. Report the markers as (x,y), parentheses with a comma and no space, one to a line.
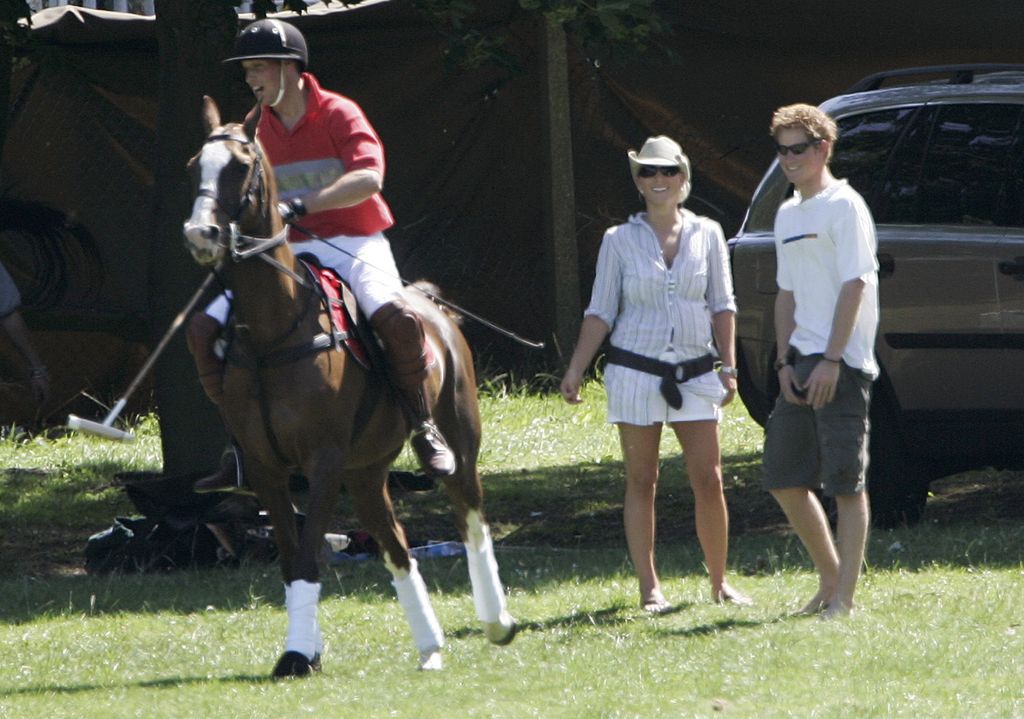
(897,483)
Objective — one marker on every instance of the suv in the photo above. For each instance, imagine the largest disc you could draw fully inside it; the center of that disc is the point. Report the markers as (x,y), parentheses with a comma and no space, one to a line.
(941,165)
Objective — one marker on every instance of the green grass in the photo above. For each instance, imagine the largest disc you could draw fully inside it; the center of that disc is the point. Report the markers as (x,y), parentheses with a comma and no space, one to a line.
(939,633)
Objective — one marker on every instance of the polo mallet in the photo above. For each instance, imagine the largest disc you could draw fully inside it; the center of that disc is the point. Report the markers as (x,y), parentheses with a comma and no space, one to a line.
(106,428)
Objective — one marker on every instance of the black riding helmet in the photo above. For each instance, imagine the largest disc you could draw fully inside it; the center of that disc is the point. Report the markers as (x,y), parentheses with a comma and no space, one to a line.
(271,40)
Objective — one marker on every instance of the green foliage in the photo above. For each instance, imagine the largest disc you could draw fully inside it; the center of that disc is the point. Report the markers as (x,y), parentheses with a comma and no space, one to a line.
(604,27)
(260,8)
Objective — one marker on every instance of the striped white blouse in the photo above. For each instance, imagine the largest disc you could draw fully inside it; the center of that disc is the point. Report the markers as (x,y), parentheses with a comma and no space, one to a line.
(652,308)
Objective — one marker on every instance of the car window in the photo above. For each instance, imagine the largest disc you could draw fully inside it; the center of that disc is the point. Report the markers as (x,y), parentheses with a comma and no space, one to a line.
(773,191)
(1015,186)
(954,167)
(865,145)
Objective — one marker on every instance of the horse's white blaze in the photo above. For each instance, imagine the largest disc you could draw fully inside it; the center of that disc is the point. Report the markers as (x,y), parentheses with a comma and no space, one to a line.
(488,595)
(211,162)
(412,596)
(301,599)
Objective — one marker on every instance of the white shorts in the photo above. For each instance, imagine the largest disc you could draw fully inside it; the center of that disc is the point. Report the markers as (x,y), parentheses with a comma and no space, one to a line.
(366,263)
(635,397)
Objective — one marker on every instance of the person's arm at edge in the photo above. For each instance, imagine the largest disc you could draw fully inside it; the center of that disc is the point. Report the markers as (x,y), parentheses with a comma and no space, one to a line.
(785,323)
(592,333)
(15,327)
(723,325)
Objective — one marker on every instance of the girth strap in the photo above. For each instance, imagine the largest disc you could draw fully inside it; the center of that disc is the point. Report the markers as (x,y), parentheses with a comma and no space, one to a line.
(671,374)
(319,343)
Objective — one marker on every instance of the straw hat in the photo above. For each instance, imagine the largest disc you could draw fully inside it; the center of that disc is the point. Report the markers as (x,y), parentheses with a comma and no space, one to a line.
(659,150)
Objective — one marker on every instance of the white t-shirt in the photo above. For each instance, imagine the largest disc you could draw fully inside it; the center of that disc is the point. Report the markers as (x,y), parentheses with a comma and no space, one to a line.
(821,243)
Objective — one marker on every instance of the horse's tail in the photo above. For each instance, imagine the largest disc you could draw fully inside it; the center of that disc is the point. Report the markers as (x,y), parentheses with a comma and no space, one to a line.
(433,293)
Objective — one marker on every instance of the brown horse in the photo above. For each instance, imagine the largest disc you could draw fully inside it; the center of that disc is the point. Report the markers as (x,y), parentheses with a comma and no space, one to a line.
(298,408)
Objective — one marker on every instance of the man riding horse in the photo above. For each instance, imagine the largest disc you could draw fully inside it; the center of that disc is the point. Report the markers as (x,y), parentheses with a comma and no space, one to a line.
(329,166)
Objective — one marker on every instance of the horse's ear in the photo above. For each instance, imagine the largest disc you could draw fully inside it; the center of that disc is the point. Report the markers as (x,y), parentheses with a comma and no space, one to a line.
(251,121)
(211,114)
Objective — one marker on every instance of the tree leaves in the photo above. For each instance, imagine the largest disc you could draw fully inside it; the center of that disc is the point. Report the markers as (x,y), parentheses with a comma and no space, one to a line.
(12,30)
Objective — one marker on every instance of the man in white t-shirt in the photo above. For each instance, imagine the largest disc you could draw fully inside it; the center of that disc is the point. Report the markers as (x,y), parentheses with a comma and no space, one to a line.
(826,318)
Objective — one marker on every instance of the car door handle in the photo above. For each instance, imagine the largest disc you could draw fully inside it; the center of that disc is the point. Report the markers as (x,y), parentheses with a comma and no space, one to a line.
(886,265)
(1015,268)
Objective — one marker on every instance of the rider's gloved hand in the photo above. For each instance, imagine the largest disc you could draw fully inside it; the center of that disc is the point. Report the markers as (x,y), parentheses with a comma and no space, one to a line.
(291,210)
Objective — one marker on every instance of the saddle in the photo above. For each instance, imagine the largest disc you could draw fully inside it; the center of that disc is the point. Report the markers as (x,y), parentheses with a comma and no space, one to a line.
(350,328)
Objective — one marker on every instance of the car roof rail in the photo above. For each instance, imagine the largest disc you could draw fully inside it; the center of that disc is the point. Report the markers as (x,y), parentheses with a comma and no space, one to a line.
(959,74)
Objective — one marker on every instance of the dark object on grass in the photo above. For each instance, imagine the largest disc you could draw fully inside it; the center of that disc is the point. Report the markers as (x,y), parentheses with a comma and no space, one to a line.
(177,529)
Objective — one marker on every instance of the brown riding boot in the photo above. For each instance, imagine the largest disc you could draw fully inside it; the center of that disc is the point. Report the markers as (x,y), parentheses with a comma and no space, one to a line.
(201,336)
(401,332)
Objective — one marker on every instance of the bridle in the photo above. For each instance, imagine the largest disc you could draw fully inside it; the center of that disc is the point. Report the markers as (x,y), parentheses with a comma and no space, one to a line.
(239,245)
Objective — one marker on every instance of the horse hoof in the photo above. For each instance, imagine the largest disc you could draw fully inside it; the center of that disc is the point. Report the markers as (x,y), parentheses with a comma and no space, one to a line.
(430,660)
(295,664)
(501,632)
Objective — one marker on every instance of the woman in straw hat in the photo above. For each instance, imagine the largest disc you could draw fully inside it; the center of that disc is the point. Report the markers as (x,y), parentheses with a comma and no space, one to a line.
(663,292)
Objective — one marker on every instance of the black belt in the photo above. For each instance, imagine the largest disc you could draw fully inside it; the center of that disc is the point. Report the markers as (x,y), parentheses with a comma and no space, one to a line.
(671,374)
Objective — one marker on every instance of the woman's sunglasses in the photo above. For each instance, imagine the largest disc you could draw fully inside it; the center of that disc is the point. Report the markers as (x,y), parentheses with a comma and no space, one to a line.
(652,170)
(797,149)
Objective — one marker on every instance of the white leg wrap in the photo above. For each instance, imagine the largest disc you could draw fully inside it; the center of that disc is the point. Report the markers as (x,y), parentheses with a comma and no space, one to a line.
(488,595)
(301,599)
(412,595)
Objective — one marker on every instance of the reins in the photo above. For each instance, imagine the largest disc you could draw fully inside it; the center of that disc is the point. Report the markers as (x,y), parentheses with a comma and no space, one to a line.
(428,294)
(259,246)
(243,247)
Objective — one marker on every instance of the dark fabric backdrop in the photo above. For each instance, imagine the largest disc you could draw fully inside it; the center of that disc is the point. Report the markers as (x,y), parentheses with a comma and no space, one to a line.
(466,164)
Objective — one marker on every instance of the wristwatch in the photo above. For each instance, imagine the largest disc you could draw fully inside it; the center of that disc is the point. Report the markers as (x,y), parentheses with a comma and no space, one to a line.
(780,363)
(727,370)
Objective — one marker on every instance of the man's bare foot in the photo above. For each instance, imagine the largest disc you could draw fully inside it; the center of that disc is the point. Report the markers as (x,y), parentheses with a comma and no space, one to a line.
(818,604)
(655,603)
(728,595)
(837,610)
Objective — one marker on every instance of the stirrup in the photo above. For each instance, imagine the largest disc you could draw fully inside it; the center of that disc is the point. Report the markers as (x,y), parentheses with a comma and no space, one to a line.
(433,452)
(228,477)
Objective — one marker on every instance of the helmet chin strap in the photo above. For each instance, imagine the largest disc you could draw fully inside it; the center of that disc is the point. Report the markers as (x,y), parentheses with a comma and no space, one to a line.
(280,88)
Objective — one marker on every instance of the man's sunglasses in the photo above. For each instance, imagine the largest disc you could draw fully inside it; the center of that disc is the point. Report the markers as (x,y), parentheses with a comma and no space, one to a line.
(797,149)
(652,170)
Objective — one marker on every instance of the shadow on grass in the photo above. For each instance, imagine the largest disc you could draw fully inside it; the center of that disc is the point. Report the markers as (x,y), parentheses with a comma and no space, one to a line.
(551,525)
(717,627)
(608,617)
(171,683)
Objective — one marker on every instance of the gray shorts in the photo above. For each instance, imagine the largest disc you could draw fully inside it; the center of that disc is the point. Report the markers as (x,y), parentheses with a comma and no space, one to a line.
(820,449)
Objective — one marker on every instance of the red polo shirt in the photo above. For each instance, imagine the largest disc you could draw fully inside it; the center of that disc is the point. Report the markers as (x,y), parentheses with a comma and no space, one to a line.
(332,138)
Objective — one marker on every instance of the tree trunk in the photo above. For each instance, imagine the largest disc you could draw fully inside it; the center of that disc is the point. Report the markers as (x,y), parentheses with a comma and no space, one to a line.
(193,36)
(6,58)
(560,198)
